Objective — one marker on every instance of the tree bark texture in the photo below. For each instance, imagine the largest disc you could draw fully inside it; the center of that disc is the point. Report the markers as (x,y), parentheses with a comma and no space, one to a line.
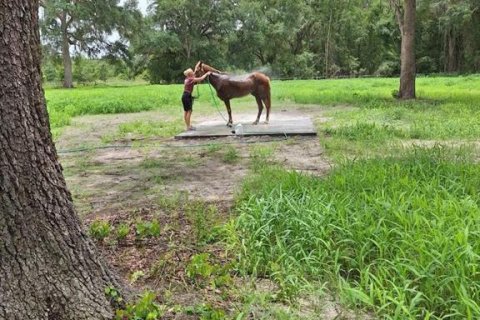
(49,269)
(407,57)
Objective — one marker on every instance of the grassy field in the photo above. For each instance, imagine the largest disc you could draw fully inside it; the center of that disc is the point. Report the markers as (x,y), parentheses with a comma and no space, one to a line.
(399,234)
(447,107)
(393,229)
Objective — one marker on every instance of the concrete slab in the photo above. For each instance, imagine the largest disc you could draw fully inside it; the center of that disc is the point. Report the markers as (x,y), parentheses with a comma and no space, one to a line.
(279,126)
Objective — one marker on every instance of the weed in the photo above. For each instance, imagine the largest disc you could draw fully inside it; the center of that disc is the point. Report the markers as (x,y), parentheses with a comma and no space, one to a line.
(231,155)
(199,267)
(122,232)
(114,296)
(205,312)
(213,148)
(136,275)
(157,179)
(150,163)
(191,160)
(99,230)
(144,309)
(172,202)
(203,218)
(147,229)
(261,156)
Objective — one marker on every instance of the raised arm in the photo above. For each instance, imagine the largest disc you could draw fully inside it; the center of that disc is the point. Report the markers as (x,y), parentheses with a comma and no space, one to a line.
(200,79)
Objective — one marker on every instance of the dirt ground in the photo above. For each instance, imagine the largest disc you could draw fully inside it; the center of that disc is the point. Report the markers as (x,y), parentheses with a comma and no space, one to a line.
(188,187)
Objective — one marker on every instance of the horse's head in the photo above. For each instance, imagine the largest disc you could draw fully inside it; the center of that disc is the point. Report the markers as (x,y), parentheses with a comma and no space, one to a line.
(202,68)
(199,70)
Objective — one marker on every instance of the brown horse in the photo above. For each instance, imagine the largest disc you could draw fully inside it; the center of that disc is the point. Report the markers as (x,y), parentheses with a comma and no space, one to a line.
(229,87)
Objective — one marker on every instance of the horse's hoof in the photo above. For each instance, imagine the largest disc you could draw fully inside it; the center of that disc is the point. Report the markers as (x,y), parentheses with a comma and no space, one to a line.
(266,122)
(230,125)
(255,123)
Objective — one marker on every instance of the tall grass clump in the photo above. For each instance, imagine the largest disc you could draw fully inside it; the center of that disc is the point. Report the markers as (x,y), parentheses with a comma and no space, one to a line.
(398,235)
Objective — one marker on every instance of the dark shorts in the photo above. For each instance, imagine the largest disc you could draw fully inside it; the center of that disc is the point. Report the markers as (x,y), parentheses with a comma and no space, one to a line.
(187,101)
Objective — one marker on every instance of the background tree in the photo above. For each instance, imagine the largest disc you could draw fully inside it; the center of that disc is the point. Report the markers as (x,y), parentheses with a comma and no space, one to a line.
(292,39)
(184,31)
(85,25)
(406,21)
(49,268)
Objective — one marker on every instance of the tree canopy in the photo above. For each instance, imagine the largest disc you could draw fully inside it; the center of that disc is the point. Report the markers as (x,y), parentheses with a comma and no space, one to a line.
(289,39)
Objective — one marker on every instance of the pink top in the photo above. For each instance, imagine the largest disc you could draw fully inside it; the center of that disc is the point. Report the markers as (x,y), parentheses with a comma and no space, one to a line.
(189,83)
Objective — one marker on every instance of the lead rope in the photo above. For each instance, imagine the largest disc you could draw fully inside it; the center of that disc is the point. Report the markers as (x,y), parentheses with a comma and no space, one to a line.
(215,103)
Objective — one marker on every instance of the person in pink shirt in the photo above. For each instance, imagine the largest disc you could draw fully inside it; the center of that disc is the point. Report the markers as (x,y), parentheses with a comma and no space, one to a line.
(187,98)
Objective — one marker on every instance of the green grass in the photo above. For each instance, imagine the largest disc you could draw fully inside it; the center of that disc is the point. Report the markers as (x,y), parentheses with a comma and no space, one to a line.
(231,155)
(440,98)
(376,92)
(399,235)
(145,129)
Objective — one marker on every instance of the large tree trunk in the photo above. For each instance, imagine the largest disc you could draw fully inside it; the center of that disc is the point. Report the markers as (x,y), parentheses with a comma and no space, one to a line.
(67,59)
(407,57)
(49,269)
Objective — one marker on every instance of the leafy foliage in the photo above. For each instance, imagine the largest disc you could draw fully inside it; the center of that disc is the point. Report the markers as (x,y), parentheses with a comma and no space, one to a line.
(299,39)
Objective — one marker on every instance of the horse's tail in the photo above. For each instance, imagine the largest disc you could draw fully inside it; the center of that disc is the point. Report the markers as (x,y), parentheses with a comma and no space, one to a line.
(264,81)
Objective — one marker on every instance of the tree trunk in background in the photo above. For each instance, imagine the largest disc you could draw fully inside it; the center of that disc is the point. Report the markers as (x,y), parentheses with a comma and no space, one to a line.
(67,59)
(450,55)
(406,23)
(327,48)
(49,269)
(407,71)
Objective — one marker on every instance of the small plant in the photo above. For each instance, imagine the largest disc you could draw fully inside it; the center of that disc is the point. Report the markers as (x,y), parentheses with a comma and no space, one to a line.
(136,275)
(144,309)
(214,147)
(147,229)
(150,163)
(231,155)
(113,296)
(261,156)
(122,231)
(199,266)
(202,217)
(99,230)
(205,311)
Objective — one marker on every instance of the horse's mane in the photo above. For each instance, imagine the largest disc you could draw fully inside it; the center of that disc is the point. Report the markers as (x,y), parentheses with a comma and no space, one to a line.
(212,69)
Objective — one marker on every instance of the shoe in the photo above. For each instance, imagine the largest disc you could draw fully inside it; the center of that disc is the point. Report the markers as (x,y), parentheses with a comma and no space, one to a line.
(192,129)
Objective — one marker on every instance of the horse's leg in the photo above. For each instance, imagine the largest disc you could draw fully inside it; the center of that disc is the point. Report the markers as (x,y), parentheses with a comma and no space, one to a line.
(260,108)
(229,110)
(268,103)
